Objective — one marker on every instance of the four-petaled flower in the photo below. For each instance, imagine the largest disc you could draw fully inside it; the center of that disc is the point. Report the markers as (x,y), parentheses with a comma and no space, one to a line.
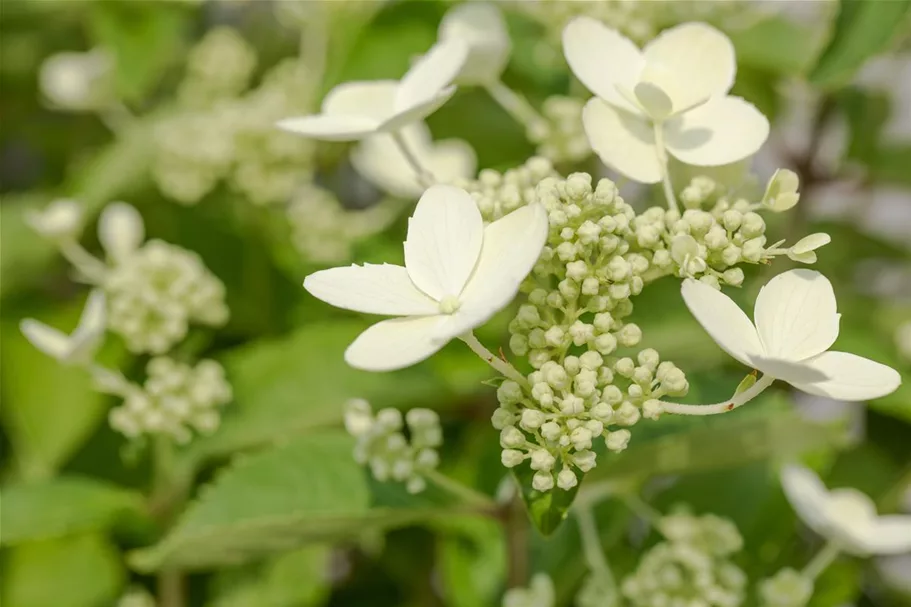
(796,324)
(354,110)
(458,273)
(846,516)
(80,346)
(671,95)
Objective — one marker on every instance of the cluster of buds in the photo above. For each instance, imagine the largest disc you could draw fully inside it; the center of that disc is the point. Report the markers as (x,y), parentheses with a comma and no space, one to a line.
(560,137)
(787,588)
(383,446)
(692,566)
(176,400)
(539,593)
(499,194)
(219,66)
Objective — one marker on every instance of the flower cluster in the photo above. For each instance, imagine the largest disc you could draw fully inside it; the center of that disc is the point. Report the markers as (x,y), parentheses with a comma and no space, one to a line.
(175,400)
(539,593)
(218,67)
(498,194)
(692,565)
(383,446)
(787,588)
(560,137)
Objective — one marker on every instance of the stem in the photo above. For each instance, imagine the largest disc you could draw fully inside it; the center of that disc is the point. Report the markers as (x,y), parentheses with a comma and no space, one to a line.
(516,523)
(515,105)
(460,490)
(111,382)
(86,263)
(665,174)
(170,582)
(503,367)
(723,407)
(640,508)
(591,549)
(424,176)
(821,561)
(170,586)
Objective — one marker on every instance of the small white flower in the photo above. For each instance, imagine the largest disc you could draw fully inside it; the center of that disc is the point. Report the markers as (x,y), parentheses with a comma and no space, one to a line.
(60,220)
(674,89)
(781,193)
(845,516)
(482,27)
(78,347)
(381,161)
(354,110)
(805,249)
(796,323)
(458,273)
(120,230)
(75,81)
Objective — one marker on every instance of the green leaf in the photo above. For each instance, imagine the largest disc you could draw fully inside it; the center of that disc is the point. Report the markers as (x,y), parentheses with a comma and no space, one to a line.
(307,490)
(146,39)
(777,45)
(296,578)
(472,561)
(62,506)
(77,571)
(547,510)
(49,409)
(863,29)
(285,387)
(890,165)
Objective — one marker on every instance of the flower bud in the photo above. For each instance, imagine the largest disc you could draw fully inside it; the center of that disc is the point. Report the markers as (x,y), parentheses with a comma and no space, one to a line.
(781,192)
(511,437)
(752,226)
(566,479)
(572,405)
(551,431)
(532,419)
(554,336)
(625,366)
(542,459)
(618,440)
(581,333)
(605,343)
(511,458)
(591,360)
(542,481)
(733,277)
(652,408)
(611,395)
(602,412)
(584,460)
(502,418)
(518,344)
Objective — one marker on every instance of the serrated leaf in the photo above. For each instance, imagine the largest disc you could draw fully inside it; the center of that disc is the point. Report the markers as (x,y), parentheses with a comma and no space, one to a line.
(62,506)
(296,578)
(306,490)
(863,29)
(77,571)
(547,510)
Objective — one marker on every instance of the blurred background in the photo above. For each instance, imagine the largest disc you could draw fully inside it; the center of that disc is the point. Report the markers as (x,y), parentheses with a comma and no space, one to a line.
(170,106)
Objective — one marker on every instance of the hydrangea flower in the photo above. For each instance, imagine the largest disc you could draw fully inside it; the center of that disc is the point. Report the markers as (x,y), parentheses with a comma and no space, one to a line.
(846,517)
(671,95)
(384,164)
(354,110)
(482,27)
(458,273)
(795,325)
(78,347)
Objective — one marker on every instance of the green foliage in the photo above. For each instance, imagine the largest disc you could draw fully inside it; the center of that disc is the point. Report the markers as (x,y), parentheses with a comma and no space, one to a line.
(862,30)
(78,571)
(547,510)
(62,506)
(298,578)
(776,45)
(473,561)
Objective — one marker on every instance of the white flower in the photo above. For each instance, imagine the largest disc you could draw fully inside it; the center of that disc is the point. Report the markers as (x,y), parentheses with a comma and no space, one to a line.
(120,230)
(845,516)
(382,162)
(672,94)
(75,81)
(60,220)
(354,110)
(78,347)
(796,323)
(781,192)
(804,250)
(458,273)
(482,27)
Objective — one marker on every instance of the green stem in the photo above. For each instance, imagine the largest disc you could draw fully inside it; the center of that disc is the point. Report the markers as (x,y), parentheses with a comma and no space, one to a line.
(170,582)
(665,174)
(734,402)
(591,549)
(467,494)
(503,367)
(821,561)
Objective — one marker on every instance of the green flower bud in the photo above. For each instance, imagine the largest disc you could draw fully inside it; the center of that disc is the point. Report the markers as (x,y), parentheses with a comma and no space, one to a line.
(519,344)
(502,418)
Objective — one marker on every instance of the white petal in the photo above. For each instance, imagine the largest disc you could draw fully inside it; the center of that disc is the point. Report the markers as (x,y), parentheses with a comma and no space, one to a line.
(372,289)
(512,246)
(47,339)
(690,62)
(891,534)
(851,377)
(330,128)
(482,27)
(806,494)
(452,159)
(622,141)
(796,315)
(369,99)
(793,372)
(120,230)
(395,344)
(811,243)
(431,74)
(444,241)
(88,334)
(723,320)
(602,59)
(720,131)
(380,160)
(417,112)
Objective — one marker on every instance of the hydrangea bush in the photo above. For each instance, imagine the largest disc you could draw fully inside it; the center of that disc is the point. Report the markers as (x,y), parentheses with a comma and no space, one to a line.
(586,195)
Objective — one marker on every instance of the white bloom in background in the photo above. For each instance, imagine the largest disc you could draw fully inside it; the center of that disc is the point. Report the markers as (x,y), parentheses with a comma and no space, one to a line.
(482,27)
(120,230)
(796,323)
(60,220)
(670,95)
(354,110)
(76,81)
(78,347)
(846,517)
(382,162)
(458,273)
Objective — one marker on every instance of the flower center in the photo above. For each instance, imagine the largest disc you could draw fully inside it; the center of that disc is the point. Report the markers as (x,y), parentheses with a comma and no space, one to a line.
(449,304)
